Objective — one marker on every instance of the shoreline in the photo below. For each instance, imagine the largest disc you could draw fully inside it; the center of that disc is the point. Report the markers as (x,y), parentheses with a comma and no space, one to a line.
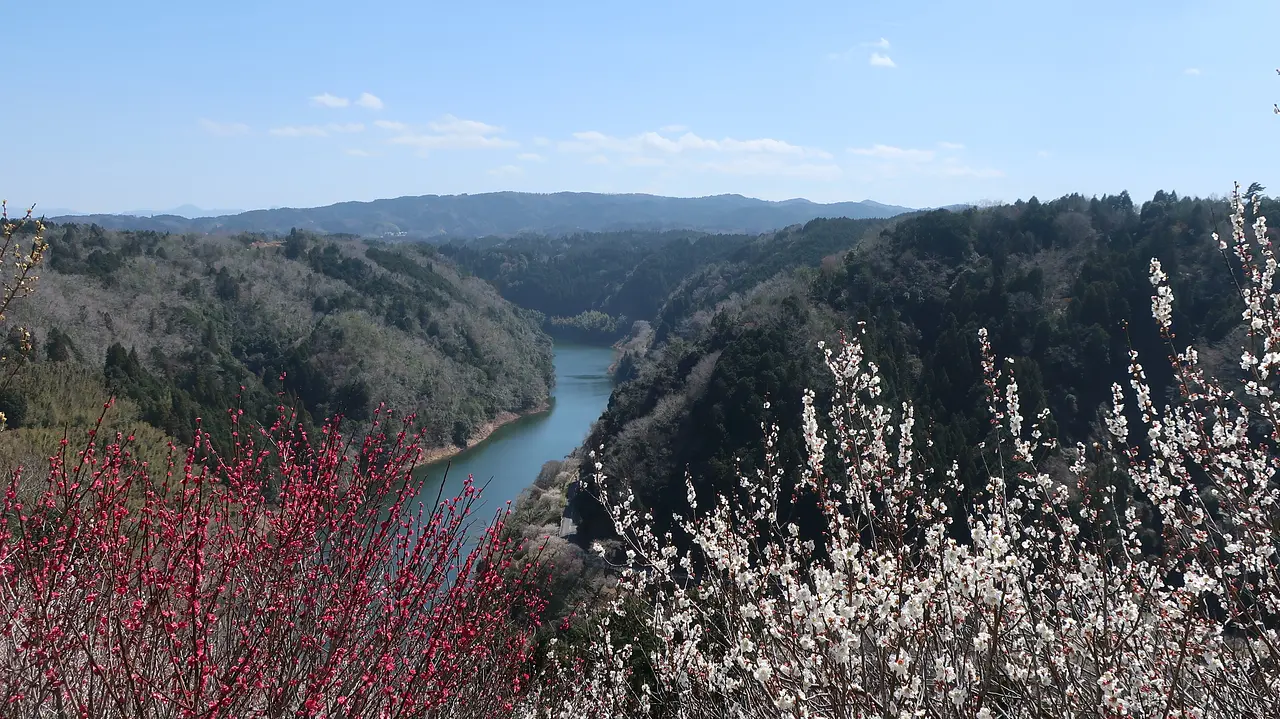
(617,357)
(482,433)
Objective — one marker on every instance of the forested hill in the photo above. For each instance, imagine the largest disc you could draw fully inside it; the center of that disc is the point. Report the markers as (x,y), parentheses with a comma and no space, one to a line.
(179,324)
(510,213)
(1054,283)
(595,286)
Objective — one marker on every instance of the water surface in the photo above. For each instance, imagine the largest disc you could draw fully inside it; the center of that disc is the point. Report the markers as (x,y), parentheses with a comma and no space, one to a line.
(509,460)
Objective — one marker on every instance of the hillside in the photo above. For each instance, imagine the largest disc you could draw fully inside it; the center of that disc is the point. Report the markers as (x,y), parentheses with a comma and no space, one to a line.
(1061,286)
(595,286)
(186,327)
(511,213)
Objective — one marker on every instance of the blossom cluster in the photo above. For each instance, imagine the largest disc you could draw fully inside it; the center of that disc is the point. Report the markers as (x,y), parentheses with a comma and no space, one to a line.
(1044,597)
(180,591)
(19,260)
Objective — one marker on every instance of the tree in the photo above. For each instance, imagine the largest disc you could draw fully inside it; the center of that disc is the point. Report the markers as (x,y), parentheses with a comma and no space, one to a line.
(13,408)
(58,347)
(126,592)
(1129,580)
(22,244)
(294,245)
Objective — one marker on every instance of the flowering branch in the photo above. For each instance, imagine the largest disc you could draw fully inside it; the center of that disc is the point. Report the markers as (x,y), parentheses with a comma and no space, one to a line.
(177,591)
(1053,607)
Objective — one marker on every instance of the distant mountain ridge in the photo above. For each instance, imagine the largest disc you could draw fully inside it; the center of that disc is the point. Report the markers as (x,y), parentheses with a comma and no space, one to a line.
(513,213)
(187,211)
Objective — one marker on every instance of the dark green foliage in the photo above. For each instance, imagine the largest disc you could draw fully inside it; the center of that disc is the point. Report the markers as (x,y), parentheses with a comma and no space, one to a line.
(351,400)
(1061,287)
(58,346)
(14,406)
(461,433)
(593,286)
(212,324)
(613,276)
(225,286)
(294,245)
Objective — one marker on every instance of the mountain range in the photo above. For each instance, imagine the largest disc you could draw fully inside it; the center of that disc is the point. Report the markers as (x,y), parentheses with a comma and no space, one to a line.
(511,213)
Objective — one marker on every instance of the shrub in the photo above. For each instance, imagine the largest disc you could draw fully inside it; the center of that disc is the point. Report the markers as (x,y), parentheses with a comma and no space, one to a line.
(1141,580)
(344,597)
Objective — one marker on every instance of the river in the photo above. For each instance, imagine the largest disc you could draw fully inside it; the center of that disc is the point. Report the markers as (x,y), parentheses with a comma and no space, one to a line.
(510,458)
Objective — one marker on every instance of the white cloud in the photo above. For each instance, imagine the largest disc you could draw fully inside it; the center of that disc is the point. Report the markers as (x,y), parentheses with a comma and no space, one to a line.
(507,171)
(653,142)
(452,133)
(224,129)
(673,128)
(457,126)
(391,125)
(888,161)
(878,60)
(1193,71)
(889,152)
(370,101)
(847,55)
(357,152)
(327,100)
(541,142)
(299,131)
(691,152)
(530,157)
(345,127)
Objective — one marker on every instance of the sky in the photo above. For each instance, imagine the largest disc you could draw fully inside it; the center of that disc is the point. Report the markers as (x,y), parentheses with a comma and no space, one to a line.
(265,103)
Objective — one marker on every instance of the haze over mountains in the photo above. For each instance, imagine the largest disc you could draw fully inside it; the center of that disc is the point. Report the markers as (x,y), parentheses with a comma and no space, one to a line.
(510,213)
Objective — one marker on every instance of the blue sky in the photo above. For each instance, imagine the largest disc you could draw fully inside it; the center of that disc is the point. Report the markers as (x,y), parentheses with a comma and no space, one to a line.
(152,104)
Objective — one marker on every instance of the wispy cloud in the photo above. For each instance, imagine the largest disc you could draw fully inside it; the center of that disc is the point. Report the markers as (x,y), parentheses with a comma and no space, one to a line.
(340,128)
(507,171)
(673,128)
(299,131)
(1193,71)
(541,142)
(357,152)
(453,133)
(654,142)
(691,152)
(457,126)
(889,161)
(223,129)
(530,157)
(879,60)
(1043,153)
(849,54)
(391,125)
(327,100)
(889,152)
(370,101)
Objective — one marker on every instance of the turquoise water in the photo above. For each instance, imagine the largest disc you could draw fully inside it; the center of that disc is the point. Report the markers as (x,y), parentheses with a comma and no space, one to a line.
(509,460)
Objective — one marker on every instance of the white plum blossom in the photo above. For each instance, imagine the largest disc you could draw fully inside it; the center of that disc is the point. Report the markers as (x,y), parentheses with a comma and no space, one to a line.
(1051,606)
